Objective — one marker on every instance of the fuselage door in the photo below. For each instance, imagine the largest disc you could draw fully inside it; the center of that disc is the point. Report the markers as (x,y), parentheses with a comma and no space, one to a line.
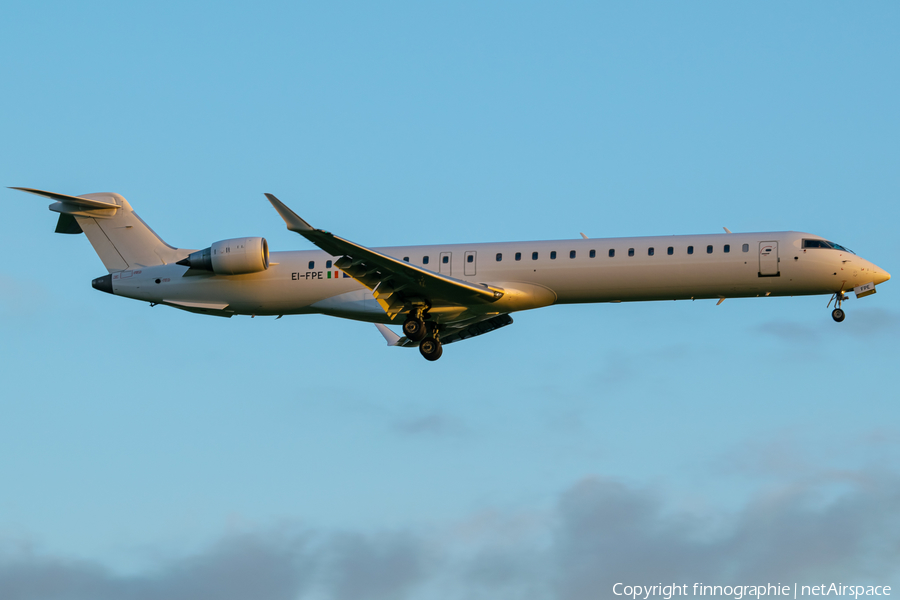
(470,263)
(768,259)
(446,264)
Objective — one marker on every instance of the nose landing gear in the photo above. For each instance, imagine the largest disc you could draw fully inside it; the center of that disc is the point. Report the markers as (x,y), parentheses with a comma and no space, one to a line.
(838,313)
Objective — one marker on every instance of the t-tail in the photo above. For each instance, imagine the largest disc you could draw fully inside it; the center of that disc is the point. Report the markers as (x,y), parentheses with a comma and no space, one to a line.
(121,239)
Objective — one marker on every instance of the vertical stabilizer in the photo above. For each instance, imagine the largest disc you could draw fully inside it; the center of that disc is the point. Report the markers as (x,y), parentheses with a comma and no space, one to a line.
(119,237)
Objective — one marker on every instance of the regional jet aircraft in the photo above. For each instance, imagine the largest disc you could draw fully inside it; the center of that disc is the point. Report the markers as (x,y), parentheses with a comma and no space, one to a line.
(445,293)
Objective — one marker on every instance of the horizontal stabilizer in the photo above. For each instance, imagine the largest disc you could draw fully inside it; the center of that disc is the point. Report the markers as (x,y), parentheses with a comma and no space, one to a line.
(84,202)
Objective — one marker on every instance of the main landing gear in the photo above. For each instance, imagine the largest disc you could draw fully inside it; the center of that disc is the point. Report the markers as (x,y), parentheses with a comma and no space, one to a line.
(431,348)
(417,329)
(838,313)
(414,328)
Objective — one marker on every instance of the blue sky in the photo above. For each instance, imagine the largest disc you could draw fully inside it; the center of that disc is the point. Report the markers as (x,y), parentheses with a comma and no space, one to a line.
(153,453)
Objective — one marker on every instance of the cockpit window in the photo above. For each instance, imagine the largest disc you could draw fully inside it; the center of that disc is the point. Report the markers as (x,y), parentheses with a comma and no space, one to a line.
(825,244)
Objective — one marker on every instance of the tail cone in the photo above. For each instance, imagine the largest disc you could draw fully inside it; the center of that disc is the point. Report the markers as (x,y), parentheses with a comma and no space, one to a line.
(104,284)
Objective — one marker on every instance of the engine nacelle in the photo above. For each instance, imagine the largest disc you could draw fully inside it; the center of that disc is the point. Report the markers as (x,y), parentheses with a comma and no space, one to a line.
(231,257)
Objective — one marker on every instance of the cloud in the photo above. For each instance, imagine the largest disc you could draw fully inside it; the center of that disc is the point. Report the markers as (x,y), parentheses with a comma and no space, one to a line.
(862,322)
(611,533)
(387,566)
(599,532)
(789,332)
(623,368)
(433,424)
(866,322)
(271,566)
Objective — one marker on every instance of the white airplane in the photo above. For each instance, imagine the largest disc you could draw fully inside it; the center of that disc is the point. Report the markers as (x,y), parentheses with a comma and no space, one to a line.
(446,293)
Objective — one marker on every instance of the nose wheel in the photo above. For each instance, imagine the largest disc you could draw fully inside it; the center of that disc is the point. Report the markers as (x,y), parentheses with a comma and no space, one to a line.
(838,313)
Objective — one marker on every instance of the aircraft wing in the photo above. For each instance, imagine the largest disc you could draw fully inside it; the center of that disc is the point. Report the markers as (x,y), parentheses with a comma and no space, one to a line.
(395,284)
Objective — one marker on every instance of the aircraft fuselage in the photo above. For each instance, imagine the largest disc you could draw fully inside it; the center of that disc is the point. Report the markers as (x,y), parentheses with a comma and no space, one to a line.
(540,273)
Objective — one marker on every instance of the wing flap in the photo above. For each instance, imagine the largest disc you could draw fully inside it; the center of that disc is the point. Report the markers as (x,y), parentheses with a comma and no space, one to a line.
(476,329)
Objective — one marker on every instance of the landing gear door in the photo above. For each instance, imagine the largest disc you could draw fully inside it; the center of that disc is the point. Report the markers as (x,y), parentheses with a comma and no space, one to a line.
(768,259)
(446,264)
(470,263)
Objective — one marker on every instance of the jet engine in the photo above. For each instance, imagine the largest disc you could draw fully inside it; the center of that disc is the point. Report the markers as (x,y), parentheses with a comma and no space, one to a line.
(231,257)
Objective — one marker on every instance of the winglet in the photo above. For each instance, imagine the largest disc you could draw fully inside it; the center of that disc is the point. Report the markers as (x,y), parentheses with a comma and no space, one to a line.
(726,230)
(584,236)
(293,222)
(389,336)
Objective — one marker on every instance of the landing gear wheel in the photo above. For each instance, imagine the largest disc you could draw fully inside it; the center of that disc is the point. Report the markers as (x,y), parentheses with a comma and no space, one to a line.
(838,314)
(414,329)
(431,349)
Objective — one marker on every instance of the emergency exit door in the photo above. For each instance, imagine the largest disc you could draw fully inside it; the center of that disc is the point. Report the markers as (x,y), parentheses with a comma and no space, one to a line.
(768,259)
(470,263)
(446,266)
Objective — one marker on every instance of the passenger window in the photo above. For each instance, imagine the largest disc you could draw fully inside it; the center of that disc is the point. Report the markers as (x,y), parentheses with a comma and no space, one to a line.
(727,248)
(571,254)
(670,251)
(445,259)
(406,258)
(745,248)
(612,252)
(709,249)
(690,249)
(424,260)
(499,257)
(312,264)
(518,256)
(593,254)
(553,255)
(327,264)
(631,252)
(649,251)
(534,256)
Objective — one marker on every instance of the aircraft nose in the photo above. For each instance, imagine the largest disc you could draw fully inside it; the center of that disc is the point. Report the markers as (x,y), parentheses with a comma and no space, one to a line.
(878,274)
(872,272)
